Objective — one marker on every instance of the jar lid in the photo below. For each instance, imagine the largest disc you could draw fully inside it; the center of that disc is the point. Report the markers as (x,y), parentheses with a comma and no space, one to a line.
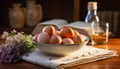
(92,5)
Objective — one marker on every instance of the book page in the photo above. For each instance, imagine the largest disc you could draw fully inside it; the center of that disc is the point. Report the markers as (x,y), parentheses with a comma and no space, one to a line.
(55,22)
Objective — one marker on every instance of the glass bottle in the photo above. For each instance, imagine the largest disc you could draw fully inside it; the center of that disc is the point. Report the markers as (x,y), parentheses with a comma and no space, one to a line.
(92,13)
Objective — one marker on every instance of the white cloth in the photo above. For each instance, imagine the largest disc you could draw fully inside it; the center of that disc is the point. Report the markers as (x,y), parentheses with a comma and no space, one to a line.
(85,55)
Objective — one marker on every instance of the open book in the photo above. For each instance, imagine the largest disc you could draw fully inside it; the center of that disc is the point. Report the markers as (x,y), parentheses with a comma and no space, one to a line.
(81,27)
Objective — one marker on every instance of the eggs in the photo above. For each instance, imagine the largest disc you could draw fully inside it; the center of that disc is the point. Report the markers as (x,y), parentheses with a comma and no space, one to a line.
(76,33)
(66,35)
(43,38)
(59,34)
(68,41)
(49,29)
(78,39)
(67,32)
(55,39)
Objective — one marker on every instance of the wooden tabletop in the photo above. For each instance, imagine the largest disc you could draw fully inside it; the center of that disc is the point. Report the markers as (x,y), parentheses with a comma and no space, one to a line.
(110,63)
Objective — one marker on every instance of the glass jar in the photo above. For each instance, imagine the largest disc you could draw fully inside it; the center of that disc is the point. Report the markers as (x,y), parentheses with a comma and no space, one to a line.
(92,13)
(33,13)
(17,16)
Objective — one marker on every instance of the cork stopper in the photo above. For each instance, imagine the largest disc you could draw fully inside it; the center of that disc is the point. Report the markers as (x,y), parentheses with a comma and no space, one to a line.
(92,5)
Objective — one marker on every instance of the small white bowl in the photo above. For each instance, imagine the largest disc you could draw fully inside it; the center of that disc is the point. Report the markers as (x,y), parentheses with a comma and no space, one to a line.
(60,49)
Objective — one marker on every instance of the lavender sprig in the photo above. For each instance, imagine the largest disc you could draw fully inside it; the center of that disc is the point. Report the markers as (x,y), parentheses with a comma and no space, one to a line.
(9,53)
(16,45)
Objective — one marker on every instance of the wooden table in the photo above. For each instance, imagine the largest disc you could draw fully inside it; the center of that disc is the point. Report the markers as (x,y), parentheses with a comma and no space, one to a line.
(110,63)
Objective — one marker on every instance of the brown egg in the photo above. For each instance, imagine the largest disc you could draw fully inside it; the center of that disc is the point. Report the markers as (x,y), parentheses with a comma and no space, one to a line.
(49,29)
(55,39)
(68,41)
(35,37)
(59,34)
(76,33)
(43,38)
(67,32)
(78,39)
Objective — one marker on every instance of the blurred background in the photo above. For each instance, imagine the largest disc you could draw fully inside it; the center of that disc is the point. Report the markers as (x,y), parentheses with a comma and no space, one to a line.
(70,10)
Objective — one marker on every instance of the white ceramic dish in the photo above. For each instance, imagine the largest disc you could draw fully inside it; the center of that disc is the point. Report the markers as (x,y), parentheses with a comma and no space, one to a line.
(62,49)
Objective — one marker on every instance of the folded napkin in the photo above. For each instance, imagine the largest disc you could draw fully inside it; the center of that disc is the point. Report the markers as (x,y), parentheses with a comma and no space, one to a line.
(82,56)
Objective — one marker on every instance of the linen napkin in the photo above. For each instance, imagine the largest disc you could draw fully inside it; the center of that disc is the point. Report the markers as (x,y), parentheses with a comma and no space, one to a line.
(85,55)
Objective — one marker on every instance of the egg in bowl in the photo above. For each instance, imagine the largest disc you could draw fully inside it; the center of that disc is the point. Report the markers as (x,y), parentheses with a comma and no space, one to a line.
(59,42)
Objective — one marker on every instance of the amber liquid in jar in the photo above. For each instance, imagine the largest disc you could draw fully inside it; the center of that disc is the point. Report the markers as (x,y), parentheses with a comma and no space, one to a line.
(99,38)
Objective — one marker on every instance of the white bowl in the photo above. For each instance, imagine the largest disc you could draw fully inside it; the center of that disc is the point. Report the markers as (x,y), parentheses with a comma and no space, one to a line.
(60,49)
